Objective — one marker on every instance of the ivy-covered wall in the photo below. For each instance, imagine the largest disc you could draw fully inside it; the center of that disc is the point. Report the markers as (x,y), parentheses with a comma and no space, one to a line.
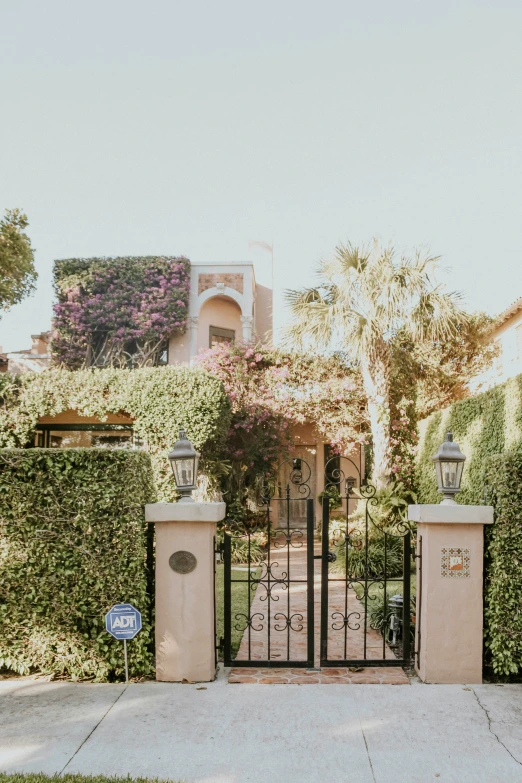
(73,542)
(484,425)
(161,400)
(118,312)
(488,429)
(503,595)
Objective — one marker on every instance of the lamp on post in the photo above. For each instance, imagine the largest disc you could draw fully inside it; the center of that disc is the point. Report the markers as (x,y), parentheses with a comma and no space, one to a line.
(184,463)
(449,462)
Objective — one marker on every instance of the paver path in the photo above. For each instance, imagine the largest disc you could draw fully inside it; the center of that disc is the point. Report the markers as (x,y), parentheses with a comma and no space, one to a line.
(290,642)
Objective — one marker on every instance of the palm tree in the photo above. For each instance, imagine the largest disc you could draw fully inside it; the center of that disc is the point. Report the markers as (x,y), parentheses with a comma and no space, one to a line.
(364,297)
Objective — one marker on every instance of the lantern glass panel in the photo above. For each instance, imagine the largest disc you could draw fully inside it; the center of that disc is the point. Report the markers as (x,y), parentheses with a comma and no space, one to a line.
(184,472)
(449,475)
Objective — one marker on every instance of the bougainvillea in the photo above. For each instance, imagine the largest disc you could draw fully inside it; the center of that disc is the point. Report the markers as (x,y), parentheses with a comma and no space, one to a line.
(271,391)
(118,311)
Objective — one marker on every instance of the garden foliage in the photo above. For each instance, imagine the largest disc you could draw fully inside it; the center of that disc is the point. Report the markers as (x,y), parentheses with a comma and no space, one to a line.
(118,311)
(73,542)
(271,391)
(487,424)
(503,596)
(160,400)
(488,428)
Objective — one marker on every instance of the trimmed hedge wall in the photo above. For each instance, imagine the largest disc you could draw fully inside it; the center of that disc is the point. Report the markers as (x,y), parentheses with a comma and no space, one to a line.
(160,400)
(488,424)
(488,428)
(73,542)
(503,596)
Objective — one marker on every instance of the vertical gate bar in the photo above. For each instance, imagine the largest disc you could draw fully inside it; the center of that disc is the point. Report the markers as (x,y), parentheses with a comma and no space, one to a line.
(249,600)
(346,578)
(216,640)
(324,579)
(288,535)
(419,601)
(385,631)
(227,598)
(406,599)
(269,539)
(365,581)
(310,587)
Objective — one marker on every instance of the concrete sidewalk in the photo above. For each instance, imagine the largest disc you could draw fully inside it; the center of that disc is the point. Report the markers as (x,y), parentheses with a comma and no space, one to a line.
(223,733)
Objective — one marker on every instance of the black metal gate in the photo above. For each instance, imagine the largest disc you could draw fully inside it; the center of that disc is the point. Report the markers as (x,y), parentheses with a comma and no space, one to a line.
(269,600)
(364,564)
(362,624)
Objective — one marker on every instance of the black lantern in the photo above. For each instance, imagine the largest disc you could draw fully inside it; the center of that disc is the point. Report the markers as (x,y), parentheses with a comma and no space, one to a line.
(184,463)
(449,462)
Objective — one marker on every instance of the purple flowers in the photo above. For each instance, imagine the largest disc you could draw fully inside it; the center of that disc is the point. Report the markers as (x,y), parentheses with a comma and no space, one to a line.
(118,311)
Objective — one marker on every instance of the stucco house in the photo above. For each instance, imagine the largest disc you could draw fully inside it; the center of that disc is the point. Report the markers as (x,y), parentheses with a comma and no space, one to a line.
(507,334)
(226,304)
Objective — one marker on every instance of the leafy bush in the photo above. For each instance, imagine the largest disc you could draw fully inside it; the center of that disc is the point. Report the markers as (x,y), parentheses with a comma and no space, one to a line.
(370,560)
(488,424)
(73,542)
(160,400)
(503,589)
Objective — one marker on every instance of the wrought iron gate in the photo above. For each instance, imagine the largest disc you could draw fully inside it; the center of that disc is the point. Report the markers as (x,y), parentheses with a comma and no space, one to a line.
(363,558)
(271,603)
(361,623)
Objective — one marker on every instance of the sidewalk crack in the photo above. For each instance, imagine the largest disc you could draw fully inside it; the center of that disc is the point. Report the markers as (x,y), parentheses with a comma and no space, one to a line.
(490,727)
(93,730)
(368,752)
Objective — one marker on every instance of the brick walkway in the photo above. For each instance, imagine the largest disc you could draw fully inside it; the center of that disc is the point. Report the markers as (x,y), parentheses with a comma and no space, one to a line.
(288,640)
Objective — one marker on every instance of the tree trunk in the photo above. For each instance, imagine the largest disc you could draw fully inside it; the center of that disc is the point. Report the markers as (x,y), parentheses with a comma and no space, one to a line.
(376,379)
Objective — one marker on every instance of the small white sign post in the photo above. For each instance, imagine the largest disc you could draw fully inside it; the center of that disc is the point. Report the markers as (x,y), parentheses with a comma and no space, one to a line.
(123,622)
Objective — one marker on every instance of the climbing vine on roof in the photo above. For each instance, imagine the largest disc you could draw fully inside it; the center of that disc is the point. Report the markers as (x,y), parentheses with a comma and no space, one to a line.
(118,312)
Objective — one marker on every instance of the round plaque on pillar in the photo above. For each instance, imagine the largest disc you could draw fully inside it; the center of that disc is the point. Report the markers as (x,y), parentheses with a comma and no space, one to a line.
(182,562)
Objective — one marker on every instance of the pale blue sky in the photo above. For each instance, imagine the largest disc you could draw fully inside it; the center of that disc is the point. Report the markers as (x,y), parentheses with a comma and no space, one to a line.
(133,128)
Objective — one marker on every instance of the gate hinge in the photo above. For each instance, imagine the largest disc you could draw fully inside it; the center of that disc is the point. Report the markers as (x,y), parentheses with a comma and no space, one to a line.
(221,644)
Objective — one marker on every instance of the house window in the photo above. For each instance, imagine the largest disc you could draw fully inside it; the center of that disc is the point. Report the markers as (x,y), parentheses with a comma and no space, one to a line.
(71,436)
(218,335)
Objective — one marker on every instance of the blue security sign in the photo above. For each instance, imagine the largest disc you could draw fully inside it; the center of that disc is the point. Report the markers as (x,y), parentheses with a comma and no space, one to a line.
(123,621)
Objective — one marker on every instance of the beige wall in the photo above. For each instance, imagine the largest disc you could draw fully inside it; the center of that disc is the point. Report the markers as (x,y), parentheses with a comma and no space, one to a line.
(179,348)
(218,311)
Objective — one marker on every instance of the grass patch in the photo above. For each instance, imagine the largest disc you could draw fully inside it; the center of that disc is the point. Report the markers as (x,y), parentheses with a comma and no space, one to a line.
(239,603)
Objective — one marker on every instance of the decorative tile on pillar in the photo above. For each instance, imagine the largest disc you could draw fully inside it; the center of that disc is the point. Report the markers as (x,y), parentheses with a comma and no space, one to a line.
(454,562)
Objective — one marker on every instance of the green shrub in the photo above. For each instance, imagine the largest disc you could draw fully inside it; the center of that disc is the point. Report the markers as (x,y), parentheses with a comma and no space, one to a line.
(487,424)
(370,560)
(503,590)
(160,400)
(73,542)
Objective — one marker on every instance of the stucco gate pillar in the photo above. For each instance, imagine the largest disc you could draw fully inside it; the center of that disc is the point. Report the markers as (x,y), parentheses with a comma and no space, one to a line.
(185,604)
(449,628)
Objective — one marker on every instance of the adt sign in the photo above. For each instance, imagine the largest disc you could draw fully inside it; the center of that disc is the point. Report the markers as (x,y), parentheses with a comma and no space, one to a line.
(123,621)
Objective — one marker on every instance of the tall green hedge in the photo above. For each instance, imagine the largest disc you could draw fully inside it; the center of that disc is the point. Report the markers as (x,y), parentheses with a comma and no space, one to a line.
(160,400)
(488,428)
(73,542)
(503,594)
(484,425)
